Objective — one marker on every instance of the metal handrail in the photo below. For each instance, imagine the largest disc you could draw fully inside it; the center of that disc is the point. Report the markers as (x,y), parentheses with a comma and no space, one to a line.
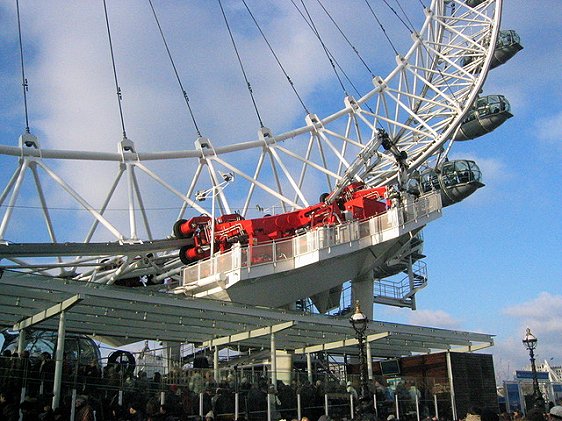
(278,252)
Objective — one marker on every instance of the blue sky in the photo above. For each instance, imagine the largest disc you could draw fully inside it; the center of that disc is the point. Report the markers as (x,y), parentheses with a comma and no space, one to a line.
(493,260)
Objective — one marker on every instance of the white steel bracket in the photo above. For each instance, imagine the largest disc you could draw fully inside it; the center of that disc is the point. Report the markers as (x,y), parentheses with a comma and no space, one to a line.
(340,344)
(48,313)
(262,331)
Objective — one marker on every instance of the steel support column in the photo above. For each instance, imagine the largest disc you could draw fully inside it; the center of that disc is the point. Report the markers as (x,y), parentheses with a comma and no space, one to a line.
(309,366)
(369,362)
(451,385)
(362,290)
(273,362)
(216,364)
(21,341)
(59,360)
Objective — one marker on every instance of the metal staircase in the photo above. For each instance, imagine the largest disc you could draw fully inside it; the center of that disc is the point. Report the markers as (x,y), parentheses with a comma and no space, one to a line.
(402,293)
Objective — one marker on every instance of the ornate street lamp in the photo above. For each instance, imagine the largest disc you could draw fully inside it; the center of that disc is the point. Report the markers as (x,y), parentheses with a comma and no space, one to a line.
(359,322)
(530,343)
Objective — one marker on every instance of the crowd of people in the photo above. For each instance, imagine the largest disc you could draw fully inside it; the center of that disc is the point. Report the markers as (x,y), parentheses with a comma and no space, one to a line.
(116,394)
(120,393)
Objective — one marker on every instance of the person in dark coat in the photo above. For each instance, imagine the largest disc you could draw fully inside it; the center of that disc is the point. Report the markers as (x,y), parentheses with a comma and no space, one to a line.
(47,371)
(135,412)
(256,402)
(47,413)
(9,410)
(29,410)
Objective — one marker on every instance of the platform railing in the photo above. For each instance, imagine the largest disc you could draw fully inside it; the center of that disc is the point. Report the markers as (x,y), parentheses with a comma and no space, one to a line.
(240,392)
(277,252)
(400,289)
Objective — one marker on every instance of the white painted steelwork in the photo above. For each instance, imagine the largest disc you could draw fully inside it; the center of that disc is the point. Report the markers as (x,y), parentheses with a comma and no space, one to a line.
(420,104)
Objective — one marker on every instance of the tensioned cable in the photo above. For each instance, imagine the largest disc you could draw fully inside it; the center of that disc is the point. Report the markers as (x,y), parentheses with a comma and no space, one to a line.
(23,78)
(405,14)
(381,26)
(275,56)
(411,27)
(329,55)
(185,97)
(241,65)
(118,89)
(346,38)
(334,60)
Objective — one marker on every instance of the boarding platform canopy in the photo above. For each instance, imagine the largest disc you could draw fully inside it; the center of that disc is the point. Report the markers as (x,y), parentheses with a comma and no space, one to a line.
(121,315)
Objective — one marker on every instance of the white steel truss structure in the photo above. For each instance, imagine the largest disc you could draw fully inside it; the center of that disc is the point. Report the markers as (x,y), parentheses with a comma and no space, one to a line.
(420,104)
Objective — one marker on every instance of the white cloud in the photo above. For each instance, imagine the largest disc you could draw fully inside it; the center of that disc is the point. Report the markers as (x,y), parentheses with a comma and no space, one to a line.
(549,129)
(434,318)
(543,315)
(509,355)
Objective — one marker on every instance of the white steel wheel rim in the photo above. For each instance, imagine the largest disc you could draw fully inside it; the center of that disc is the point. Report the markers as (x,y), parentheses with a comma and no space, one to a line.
(421,104)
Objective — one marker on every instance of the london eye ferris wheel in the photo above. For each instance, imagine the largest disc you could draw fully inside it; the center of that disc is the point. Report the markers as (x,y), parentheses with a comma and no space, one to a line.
(391,135)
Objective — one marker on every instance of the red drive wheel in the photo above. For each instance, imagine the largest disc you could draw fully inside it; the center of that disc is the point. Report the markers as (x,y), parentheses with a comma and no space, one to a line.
(190,254)
(183,255)
(178,232)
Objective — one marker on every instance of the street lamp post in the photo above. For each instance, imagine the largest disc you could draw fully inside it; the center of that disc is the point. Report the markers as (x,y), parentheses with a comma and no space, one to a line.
(530,343)
(359,322)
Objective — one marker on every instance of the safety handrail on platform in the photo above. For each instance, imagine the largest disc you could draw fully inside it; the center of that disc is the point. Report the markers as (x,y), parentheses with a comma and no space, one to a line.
(204,273)
(403,288)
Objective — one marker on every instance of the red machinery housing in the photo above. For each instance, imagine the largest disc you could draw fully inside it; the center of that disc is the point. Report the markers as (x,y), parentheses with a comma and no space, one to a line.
(356,202)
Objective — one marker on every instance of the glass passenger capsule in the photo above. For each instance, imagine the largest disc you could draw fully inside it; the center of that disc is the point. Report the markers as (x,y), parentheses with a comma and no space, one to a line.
(456,180)
(507,45)
(473,3)
(77,348)
(487,114)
